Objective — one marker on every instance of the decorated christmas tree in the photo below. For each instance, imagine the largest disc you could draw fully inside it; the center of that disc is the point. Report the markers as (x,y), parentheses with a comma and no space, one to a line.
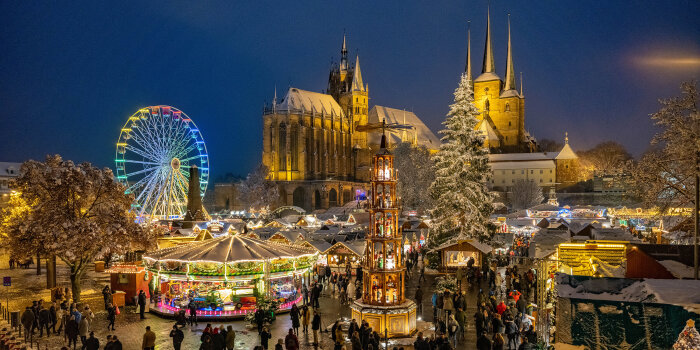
(462,201)
(689,339)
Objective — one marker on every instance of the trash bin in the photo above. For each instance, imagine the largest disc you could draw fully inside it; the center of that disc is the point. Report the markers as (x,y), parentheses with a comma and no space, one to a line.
(119,298)
(99,266)
(14,319)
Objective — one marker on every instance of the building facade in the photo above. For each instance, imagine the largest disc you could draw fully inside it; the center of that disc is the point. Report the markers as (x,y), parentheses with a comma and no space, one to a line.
(8,172)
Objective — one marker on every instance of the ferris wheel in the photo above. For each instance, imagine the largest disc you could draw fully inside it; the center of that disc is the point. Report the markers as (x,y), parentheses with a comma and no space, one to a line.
(156,148)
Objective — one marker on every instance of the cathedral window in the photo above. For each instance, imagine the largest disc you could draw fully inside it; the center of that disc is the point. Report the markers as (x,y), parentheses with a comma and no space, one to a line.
(282,146)
(508,110)
(508,123)
(294,146)
(487,105)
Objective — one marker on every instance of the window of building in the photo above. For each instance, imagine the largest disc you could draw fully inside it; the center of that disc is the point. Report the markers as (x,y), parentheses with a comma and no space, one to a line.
(508,109)
(356,99)
(487,105)
(522,172)
(506,138)
(540,180)
(513,172)
(532,172)
(282,147)
(509,124)
(503,172)
(550,171)
(541,171)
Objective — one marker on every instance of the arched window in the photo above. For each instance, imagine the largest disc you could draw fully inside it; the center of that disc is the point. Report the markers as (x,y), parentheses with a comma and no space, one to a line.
(507,107)
(294,146)
(282,146)
(487,106)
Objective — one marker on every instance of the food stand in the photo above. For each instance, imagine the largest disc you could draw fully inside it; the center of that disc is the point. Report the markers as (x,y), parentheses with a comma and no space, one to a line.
(225,276)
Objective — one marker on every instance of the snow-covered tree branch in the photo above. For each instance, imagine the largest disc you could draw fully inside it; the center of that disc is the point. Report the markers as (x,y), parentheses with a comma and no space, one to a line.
(75,212)
(462,200)
(257,192)
(526,194)
(416,172)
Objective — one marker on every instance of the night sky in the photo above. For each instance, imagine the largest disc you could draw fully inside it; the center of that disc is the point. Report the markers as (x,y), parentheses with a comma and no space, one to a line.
(72,72)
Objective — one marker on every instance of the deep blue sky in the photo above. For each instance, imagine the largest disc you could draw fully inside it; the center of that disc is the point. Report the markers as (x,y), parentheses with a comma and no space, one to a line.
(71,72)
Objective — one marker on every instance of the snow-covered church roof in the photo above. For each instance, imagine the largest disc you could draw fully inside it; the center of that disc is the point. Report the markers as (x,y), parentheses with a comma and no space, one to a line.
(298,100)
(420,133)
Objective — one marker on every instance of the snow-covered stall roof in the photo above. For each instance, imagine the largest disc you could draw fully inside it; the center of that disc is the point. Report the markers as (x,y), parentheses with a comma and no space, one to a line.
(420,132)
(228,249)
(298,100)
(483,247)
(683,293)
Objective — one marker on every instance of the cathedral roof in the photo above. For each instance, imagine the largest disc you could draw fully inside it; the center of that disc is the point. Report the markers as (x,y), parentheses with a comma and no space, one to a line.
(566,153)
(485,127)
(421,133)
(298,100)
(488,76)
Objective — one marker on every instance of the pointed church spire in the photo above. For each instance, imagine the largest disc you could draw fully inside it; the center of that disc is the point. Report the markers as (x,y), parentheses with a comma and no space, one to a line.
(357,77)
(274,100)
(521,84)
(510,74)
(489,66)
(344,56)
(468,65)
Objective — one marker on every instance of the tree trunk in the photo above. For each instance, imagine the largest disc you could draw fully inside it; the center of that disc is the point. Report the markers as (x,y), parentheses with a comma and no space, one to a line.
(75,277)
(51,272)
(38,264)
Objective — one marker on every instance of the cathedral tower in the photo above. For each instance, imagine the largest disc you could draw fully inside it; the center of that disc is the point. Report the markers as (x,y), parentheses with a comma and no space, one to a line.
(502,106)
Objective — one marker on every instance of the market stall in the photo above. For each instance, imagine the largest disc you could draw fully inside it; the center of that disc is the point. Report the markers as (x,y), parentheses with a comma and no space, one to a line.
(227,276)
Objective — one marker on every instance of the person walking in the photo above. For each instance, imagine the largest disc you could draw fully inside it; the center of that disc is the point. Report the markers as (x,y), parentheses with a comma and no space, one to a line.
(142,303)
(92,343)
(27,321)
(418,297)
(295,314)
(291,342)
(315,326)
(116,343)
(72,331)
(305,318)
(453,329)
(83,327)
(230,337)
(193,313)
(483,342)
(178,336)
(111,316)
(149,339)
(265,337)
(339,339)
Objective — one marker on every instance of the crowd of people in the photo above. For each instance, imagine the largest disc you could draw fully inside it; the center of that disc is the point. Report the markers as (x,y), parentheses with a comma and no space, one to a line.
(503,316)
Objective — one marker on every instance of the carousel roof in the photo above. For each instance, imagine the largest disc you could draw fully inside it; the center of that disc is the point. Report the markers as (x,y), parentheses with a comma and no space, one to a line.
(228,249)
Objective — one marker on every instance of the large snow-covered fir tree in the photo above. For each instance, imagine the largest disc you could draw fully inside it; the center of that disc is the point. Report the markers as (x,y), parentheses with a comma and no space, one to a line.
(462,201)
(689,338)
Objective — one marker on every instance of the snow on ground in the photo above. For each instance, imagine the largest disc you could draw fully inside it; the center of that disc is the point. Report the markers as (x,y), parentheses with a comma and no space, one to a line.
(683,293)
(678,269)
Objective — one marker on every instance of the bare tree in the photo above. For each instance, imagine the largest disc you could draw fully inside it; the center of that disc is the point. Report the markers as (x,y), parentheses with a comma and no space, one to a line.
(416,172)
(526,194)
(607,157)
(257,192)
(665,176)
(547,145)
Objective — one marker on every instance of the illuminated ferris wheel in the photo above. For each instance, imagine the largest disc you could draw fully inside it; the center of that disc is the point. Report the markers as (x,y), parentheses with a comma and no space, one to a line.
(156,148)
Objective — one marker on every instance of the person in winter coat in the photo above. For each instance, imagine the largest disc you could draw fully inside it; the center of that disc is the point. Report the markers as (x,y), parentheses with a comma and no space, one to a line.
(72,331)
(315,326)
(178,336)
(116,343)
(207,344)
(280,344)
(265,337)
(500,308)
(496,324)
(483,342)
(44,321)
(142,303)
(149,339)
(111,315)
(83,327)
(461,318)
(295,314)
(291,342)
(355,341)
(230,338)
(452,330)
(447,303)
(512,333)
(526,345)
(305,318)
(339,340)
(27,320)
(92,343)
(498,342)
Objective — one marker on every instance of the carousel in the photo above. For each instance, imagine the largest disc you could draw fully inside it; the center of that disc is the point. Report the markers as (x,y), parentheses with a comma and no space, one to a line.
(226,277)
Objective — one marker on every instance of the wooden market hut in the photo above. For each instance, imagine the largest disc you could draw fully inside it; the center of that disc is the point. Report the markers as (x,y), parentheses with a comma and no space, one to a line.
(457,253)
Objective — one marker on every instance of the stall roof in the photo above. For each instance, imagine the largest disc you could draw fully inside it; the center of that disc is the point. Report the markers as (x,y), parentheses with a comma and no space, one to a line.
(483,247)
(228,249)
